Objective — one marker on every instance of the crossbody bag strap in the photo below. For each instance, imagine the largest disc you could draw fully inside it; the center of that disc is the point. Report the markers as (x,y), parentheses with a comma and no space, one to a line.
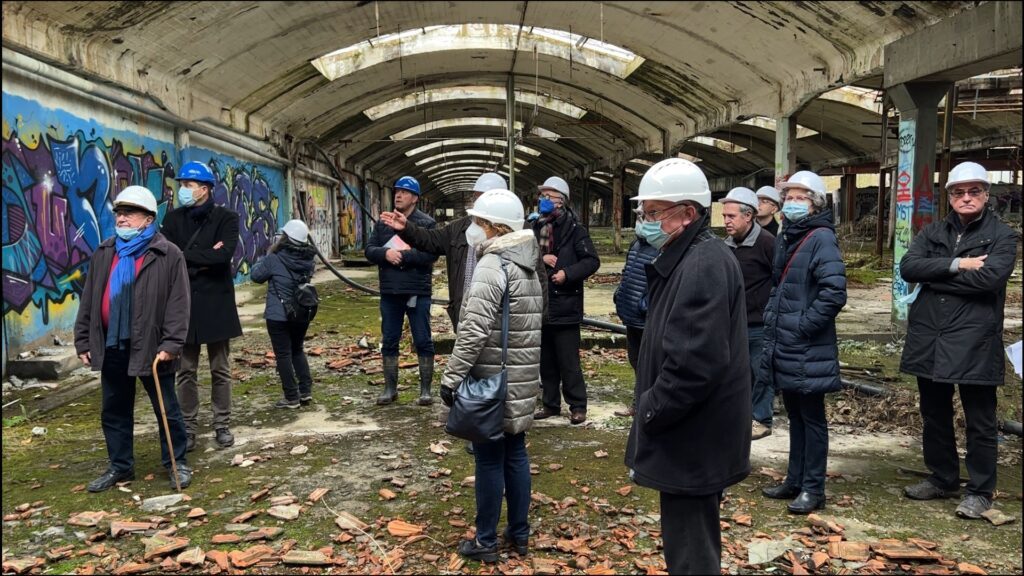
(504,317)
(798,246)
(278,292)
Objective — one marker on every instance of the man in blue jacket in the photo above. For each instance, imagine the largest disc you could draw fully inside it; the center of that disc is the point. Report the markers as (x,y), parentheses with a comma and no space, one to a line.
(631,298)
(405,290)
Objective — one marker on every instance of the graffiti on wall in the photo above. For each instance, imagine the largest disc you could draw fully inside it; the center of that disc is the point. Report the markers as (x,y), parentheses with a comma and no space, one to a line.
(904,215)
(60,176)
(254,192)
(318,216)
(350,218)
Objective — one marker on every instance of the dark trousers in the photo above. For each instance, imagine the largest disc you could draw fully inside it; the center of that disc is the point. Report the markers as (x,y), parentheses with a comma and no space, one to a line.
(393,310)
(287,339)
(220,384)
(560,364)
(691,533)
(118,413)
(763,392)
(808,441)
(502,467)
(633,338)
(939,439)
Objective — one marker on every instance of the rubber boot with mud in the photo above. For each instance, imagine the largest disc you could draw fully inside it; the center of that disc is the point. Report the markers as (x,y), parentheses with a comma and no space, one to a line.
(390,393)
(426,376)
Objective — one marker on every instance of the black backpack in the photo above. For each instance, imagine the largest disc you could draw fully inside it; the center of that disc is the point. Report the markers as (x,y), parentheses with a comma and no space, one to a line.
(304,303)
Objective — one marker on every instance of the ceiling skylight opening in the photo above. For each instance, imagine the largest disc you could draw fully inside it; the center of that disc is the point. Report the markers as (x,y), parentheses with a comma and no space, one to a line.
(462,141)
(472,162)
(601,180)
(603,56)
(459,153)
(422,98)
(686,156)
(470,122)
(770,124)
(642,161)
(719,143)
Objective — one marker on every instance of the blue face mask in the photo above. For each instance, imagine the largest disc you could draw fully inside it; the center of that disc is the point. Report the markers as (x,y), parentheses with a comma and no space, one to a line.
(127,234)
(185,197)
(546,206)
(794,211)
(652,233)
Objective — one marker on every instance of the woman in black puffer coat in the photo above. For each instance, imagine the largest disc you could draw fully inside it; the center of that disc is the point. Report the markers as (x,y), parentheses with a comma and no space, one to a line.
(289,263)
(800,355)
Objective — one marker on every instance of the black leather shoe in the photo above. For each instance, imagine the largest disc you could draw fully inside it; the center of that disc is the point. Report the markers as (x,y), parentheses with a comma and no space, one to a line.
(184,476)
(190,442)
(107,480)
(513,545)
(544,413)
(781,492)
(224,438)
(806,503)
(474,551)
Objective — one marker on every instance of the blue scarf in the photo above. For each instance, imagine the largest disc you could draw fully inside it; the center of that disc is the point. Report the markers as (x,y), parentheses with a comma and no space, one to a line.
(122,283)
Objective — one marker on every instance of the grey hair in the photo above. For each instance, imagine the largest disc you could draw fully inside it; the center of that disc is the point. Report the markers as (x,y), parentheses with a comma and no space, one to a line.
(747,210)
(819,201)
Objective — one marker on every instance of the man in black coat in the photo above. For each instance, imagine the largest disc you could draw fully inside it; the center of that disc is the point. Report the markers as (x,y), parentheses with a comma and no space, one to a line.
(690,438)
(955,337)
(754,248)
(405,289)
(207,234)
(569,259)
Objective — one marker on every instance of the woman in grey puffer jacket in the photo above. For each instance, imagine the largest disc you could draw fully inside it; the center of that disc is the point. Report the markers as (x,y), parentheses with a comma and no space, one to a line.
(501,467)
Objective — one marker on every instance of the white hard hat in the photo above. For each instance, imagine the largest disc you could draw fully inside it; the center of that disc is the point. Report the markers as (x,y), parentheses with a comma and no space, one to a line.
(490,181)
(557,184)
(674,180)
(741,195)
(770,193)
(499,207)
(807,180)
(137,196)
(296,230)
(968,172)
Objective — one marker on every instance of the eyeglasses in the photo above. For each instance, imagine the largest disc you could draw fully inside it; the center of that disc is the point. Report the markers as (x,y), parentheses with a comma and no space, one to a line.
(655,215)
(973,193)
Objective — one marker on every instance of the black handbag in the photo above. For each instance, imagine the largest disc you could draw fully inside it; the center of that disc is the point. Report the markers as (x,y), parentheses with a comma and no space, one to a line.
(477,413)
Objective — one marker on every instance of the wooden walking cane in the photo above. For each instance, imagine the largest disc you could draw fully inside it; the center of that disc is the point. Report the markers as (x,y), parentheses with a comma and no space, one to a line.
(167,428)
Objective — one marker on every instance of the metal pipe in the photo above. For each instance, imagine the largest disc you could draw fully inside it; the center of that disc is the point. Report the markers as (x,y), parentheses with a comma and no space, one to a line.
(62,80)
(1011,427)
(947,154)
(881,177)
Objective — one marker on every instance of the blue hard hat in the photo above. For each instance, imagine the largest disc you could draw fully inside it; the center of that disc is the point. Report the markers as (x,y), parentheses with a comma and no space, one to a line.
(408,183)
(198,172)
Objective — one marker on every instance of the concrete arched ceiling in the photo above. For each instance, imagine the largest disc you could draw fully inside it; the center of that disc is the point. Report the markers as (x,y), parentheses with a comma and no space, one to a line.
(706,65)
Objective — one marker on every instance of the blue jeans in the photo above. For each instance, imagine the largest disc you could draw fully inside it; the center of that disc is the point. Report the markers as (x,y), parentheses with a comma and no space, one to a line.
(808,441)
(118,413)
(502,466)
(763,392)
(393,310)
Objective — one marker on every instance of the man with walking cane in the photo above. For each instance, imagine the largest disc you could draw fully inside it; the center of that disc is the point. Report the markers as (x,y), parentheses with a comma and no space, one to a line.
(132,321)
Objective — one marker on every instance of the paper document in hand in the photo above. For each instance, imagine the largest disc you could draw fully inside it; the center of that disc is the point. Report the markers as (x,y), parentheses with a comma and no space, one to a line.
(1014,353)
(396,243)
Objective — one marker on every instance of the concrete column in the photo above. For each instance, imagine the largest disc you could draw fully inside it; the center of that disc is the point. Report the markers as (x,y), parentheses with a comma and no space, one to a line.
(586,203)
(617,182)
(848,184)
(785,149)
(915,174)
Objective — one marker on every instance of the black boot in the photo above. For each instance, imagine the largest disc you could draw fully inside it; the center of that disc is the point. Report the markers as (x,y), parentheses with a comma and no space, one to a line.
(390,393)
(426,376)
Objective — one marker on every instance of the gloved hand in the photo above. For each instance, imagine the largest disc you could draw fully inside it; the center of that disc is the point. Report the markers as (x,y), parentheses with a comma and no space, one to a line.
(447,396)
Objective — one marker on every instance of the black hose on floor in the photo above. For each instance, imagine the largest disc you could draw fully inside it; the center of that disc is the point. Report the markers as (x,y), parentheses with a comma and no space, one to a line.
(1011,427)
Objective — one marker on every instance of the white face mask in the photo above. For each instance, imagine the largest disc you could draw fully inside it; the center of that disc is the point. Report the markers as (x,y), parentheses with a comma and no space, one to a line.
(475,234)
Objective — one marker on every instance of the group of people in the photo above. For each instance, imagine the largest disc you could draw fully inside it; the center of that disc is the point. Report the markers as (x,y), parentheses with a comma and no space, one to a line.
(155,294)
(714,328)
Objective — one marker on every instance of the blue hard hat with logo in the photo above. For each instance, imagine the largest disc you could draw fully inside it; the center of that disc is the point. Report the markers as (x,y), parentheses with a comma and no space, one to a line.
(198,172)
(408,183)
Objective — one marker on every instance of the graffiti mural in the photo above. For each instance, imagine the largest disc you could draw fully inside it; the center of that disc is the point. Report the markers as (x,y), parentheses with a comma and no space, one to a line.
(318,216)
(254,191)
(60,176)
(904,215)
(350,218)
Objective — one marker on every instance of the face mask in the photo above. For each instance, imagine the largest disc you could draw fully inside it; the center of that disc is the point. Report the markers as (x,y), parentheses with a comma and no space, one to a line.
(652,233)
(127,234)
(638,228)
(546,206)
(475,234)
(795,210)
(185,197)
